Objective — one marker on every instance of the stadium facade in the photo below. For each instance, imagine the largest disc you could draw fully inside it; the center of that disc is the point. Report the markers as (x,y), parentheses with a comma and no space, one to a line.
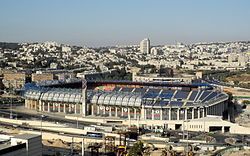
(131,102)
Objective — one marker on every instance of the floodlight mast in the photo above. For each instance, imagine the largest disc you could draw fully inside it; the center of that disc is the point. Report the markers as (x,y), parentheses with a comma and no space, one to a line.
(84,96)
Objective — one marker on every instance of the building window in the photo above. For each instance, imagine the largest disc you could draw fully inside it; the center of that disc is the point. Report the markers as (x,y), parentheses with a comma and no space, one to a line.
(189,113)
(165,114)
(112,111)
(138,113)
(119,111)
(148,113)
(107,109)
(196,113)
(125,112)
(157,114)
(181,114)
(102,109)
(174,114)
(131,113)
(201,112)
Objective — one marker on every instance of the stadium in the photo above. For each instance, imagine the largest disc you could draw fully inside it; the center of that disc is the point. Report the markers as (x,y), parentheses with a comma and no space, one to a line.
(125,100)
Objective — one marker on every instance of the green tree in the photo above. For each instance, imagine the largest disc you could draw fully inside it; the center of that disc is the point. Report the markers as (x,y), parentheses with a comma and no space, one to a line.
(236,82)
(246,102)
(137,149)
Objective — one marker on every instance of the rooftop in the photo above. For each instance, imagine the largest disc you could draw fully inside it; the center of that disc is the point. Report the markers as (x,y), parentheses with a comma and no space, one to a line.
(26,136)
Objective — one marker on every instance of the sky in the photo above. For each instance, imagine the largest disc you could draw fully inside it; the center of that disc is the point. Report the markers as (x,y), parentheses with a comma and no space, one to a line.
(124,22)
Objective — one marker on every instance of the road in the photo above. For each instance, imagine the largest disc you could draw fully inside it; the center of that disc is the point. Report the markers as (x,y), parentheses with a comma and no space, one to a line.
(220,138)
(50,118)
(23,127)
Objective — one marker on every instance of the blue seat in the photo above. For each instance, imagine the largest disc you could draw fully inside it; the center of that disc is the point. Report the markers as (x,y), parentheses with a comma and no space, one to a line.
(150,95)
(204,95)
(212,95)
(127,89)
(166,95)
(162,103)
(153,90)
(140,90)
(181,94)
(176,103)
(193,95)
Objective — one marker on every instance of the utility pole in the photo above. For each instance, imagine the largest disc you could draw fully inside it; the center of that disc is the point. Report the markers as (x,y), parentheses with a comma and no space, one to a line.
(183,130)
(11,107)
(186,129)
(138,125)
(187,137)
(11,101)
(84,96)
(72,146)
(41,124)
(41,131)
(82,147)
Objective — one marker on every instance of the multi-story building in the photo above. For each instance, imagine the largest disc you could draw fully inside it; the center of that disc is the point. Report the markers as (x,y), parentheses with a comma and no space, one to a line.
(37,77)
(21,145)
(14,80)
(145,46)
(242,60)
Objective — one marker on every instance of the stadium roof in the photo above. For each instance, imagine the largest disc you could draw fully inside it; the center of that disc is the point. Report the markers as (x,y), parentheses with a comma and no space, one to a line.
(124,82)
(125,96)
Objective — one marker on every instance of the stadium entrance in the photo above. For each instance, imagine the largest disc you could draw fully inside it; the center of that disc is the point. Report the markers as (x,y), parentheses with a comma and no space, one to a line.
(178,126)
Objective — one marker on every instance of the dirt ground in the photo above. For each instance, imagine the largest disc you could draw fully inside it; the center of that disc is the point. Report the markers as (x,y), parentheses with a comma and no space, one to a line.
(238,153)
(240,78)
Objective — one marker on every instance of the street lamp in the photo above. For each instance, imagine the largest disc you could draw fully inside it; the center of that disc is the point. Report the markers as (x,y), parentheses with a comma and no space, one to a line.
(41,124)
(42,116)
(183,113)
(11,101)
(82,146)
(187,134)
(138,124)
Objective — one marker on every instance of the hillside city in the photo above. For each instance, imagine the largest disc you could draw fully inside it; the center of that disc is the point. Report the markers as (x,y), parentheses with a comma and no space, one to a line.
(199,56)
(128,89)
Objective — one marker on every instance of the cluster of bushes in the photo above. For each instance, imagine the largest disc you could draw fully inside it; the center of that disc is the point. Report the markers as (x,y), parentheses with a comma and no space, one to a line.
(246,102)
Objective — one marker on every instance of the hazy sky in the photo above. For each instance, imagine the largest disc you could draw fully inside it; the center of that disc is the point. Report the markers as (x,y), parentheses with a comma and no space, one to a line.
(112,22)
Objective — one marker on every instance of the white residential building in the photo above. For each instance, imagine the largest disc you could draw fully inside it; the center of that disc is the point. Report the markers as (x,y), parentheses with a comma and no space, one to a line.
(145,46)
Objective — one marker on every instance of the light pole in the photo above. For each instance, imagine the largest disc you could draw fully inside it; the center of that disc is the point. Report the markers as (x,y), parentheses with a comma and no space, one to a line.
(72,146)
(187,137)
(41,131)
(183,130)
(82,147)
(138,125)
(42,116)
(41,124)
(41,128)
(11,107)
(186,152)
(183,126)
